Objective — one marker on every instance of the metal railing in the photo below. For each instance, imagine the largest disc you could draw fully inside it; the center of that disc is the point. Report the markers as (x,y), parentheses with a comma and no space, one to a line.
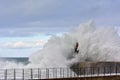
(47,73)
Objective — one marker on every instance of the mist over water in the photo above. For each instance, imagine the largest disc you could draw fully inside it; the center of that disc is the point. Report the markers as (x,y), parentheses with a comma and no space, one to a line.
(95,44)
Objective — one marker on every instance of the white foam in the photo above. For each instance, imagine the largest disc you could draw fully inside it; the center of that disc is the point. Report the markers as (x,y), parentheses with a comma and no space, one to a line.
(95,44)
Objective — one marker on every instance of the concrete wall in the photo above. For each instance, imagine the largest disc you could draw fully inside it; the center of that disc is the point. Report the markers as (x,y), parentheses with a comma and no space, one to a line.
(104,67)
(89,78)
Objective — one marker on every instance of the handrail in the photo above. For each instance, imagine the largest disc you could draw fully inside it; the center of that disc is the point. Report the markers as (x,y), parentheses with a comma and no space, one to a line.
(47,73)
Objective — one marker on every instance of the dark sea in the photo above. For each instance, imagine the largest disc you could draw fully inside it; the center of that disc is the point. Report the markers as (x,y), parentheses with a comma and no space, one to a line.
(23,60)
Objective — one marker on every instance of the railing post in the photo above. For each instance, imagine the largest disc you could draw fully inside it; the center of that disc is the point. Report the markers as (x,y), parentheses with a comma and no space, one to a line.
(47,73)
(84,71)
(93,70)
(60,72)
(98,71)
(23,73)
(116,69)
(54,72)
(67,72)
(63,73)
(31,74)
(104,70)
(70,73)
(110,70)
(5,74)
(38,73)
(14,74)
(79,71)
(74,72)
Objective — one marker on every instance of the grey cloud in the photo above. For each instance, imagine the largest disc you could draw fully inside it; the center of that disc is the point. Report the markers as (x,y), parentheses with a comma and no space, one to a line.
(22,44)
(32,17)
(24,32)
(26,6)
(36,28)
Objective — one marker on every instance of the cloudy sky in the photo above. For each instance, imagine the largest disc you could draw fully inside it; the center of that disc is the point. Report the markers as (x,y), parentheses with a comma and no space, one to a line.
(26,25)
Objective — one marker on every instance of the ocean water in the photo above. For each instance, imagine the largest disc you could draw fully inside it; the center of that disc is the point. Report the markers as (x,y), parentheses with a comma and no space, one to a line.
(22,60)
